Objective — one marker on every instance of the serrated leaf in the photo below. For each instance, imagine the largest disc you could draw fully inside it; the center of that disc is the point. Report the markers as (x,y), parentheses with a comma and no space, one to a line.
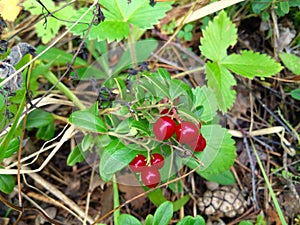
(217,37)
(87,121)
(128,219)
(205,97)
(119,17)
(163,214)
(115,157)
(220,80)
(7,183)
(291,61)
(219,154)
(76,156)
(38,118)
(250,64)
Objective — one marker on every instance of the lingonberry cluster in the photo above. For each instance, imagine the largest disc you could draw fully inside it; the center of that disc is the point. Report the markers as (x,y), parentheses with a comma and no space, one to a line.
(186,132)
(150,175)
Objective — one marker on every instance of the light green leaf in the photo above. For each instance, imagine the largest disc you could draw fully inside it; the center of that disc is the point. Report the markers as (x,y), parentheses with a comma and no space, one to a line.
(220,80)
(76,156)
(12,147)
(87,142)
(217,37)
(250,64)
(7,183)
(38,118)
(141,125)
(189,220)
(149,220)
(205,97)
(2,101)
(128,220)
(160,84)
(119,17)
(87,121)
(163,214)
(291,61)
(219,154)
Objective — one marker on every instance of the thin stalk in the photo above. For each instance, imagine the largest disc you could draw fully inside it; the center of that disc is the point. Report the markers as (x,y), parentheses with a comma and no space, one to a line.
(116,200)
(280,214)
(60,86)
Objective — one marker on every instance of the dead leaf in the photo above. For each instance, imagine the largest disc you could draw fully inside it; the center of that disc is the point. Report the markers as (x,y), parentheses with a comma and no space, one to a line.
(129,185)
(9,9)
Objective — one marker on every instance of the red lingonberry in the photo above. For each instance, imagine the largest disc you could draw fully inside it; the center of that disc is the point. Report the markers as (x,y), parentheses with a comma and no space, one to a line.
(186,132)
(138,164)
(150,177)
(157,161)
(164,128)
(199,145)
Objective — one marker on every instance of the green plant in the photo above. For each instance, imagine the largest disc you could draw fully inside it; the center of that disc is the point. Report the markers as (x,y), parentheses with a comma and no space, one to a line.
(186,32)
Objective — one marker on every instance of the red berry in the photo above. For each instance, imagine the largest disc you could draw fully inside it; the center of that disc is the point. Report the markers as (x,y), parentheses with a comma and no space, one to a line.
(164,128)
(150,177)
(138,164)
(157,161)
(199,145)
(187,132)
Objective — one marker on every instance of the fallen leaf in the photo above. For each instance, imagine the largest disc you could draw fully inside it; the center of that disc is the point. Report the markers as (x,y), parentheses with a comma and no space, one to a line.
(9,9)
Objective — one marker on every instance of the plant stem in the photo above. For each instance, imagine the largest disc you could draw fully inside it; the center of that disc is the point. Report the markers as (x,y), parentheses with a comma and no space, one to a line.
(116,200)
(60,86)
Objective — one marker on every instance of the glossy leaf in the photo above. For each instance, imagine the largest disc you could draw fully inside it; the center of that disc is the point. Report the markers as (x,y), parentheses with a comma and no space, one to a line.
(87,142)
(7,183)
(38,118)
(115,157)
(223,178)
(250,64)
(217,37)
(12,147)
(76,156)
(163,214)
(88,121)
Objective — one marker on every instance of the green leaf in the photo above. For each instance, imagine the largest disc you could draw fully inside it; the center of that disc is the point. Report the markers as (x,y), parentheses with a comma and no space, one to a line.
(291,61)
(76,156)
(60,57)
(119,17)
(48,28)
(180,202)
(149,220)
(189,220)
(87,142)
(38,118)
(115,157)
(220,80)
(250,64)
(160,84)
(284,6)
(7,183)
(12,147)
(259,5)
(163,214)
(128,219)
(219,154)
(205,97)
(87,121)
(224,178)
(2,101)
(123,127)
(141,125)
(245,222)
(157,197)
(46,132)
(217,37)
(296,94)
